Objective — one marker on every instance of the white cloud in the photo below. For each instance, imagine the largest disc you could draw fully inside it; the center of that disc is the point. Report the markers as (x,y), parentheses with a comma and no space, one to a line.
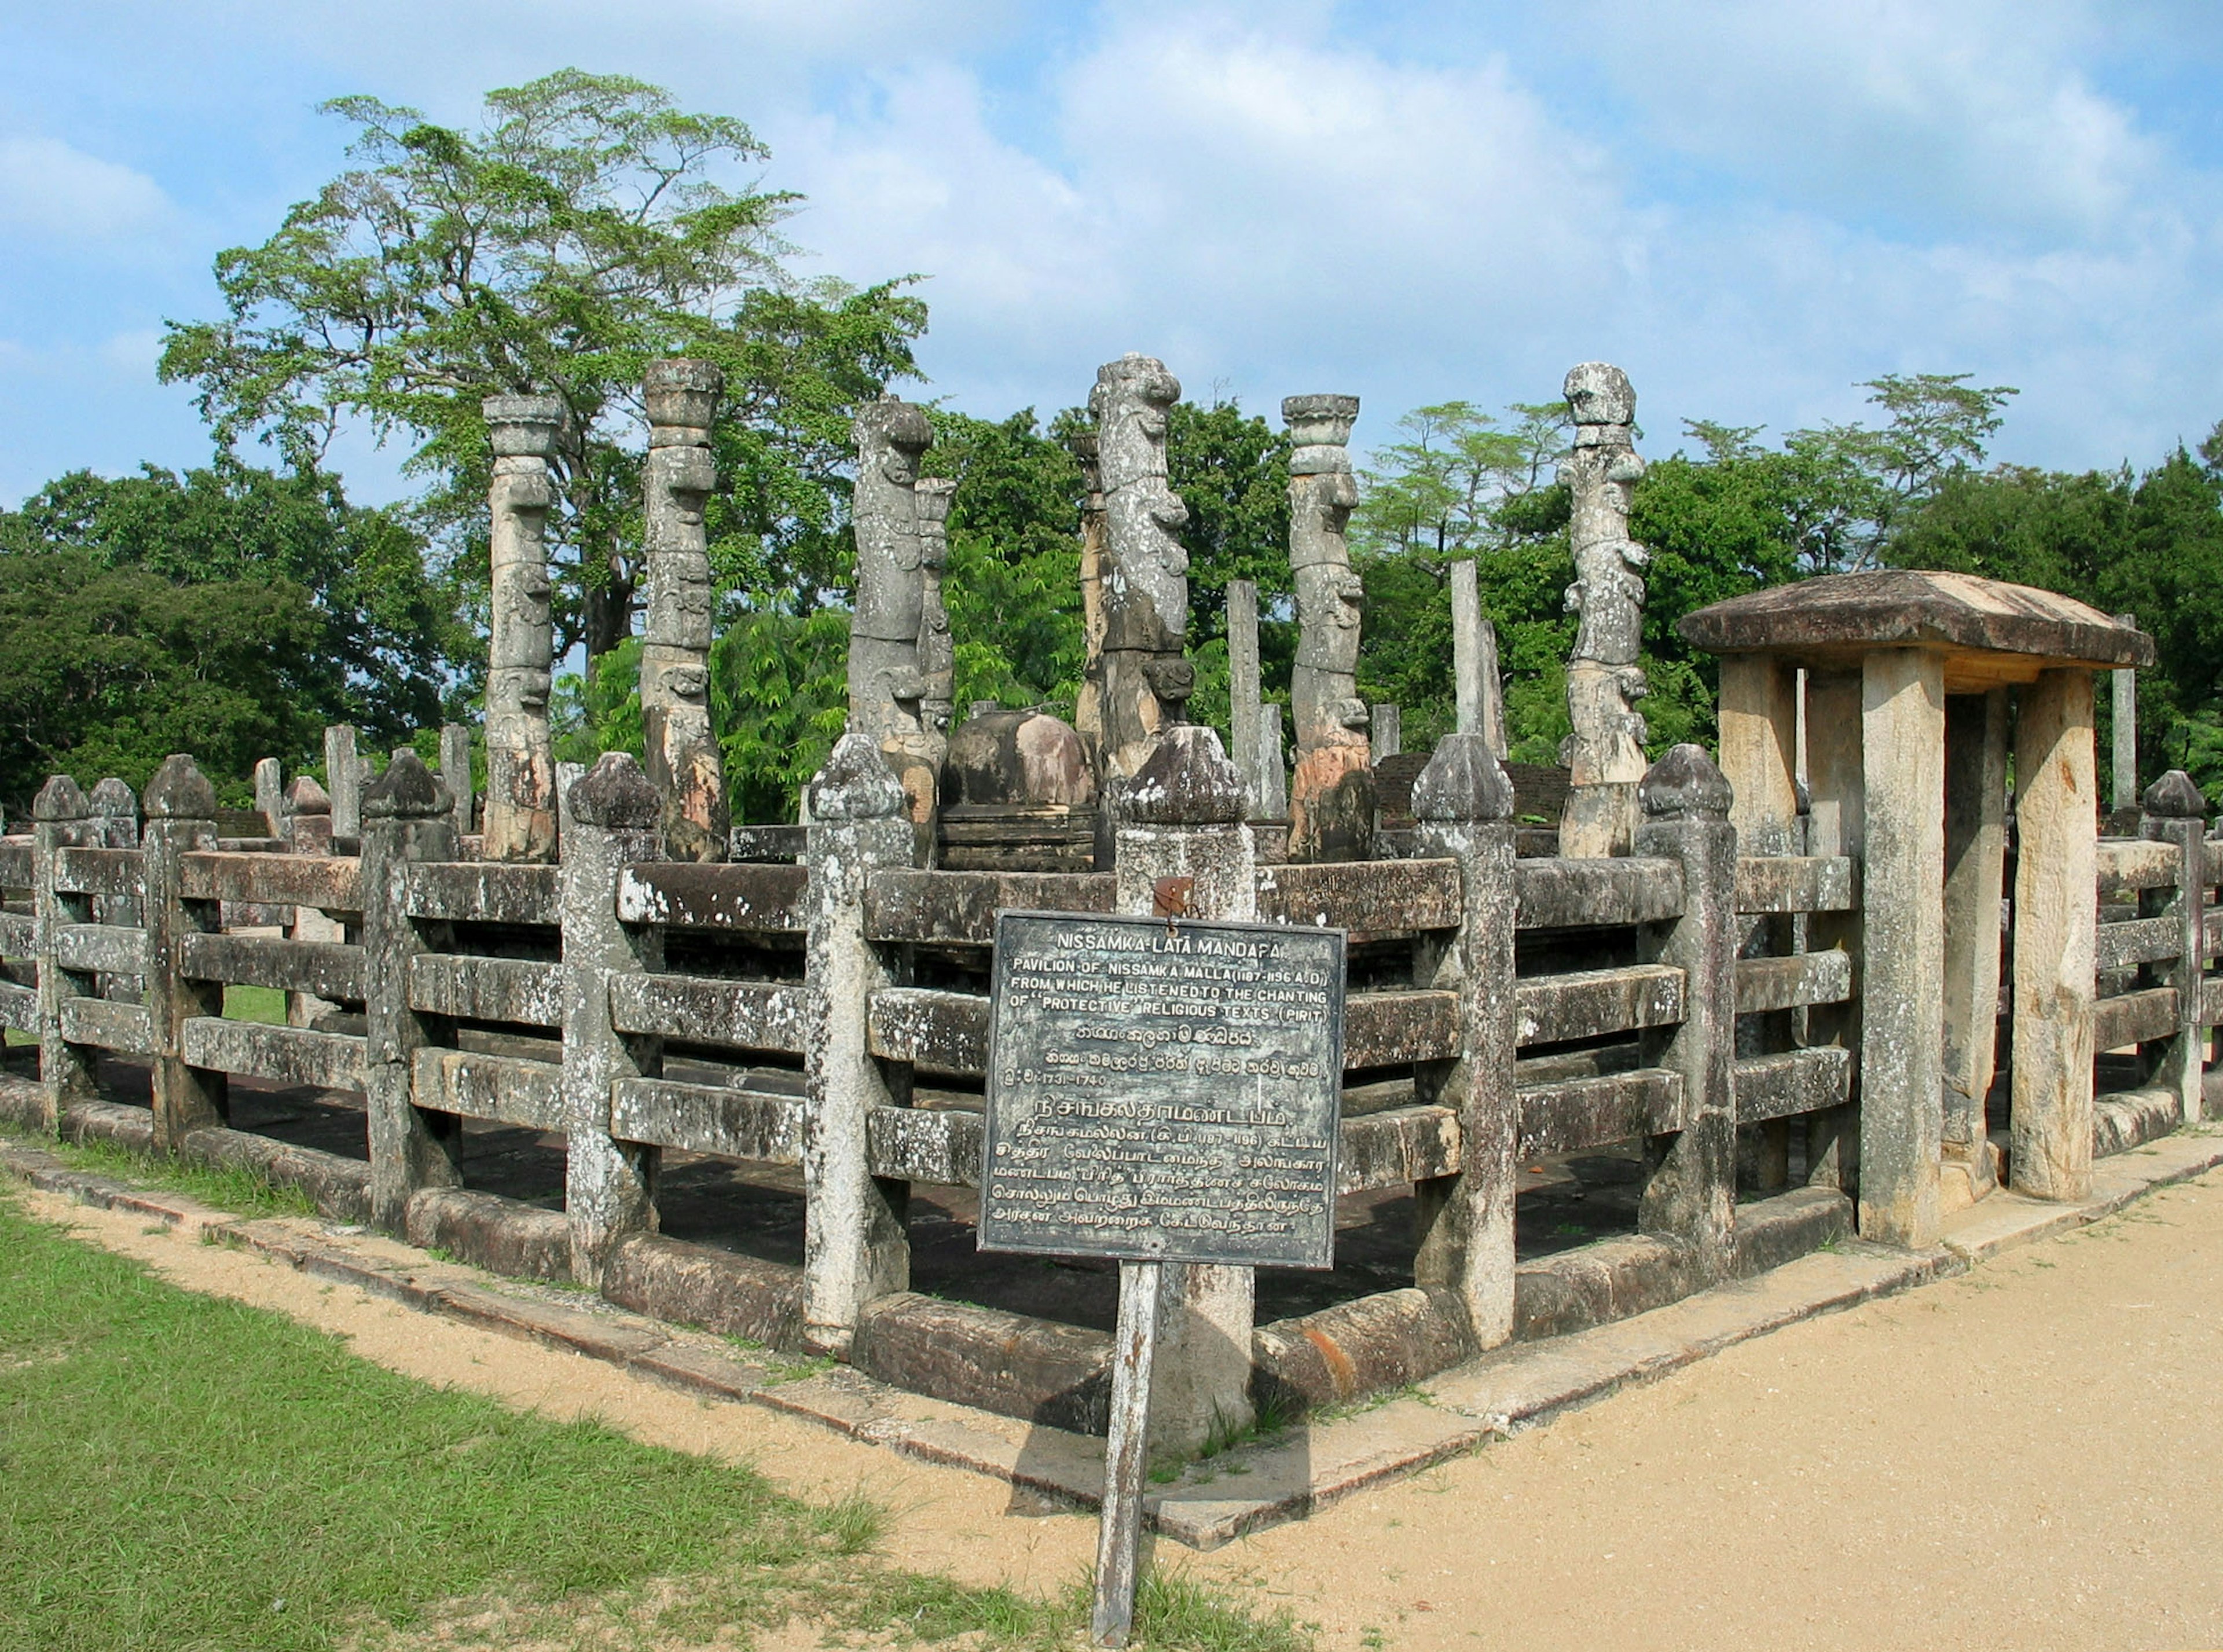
(51,189)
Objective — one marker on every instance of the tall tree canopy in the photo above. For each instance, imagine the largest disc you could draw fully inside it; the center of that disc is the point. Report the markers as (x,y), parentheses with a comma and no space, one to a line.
(231,613)
(581,232)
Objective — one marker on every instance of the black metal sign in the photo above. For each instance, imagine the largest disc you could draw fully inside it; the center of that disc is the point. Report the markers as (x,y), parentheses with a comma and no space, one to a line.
(1163,1090)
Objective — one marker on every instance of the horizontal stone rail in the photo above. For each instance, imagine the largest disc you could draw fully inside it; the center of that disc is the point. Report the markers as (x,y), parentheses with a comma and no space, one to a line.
(1597,893)
(767,843)
(19,935)
(1597,1003)
(1792,883)
(109,947)
(325,883)
(760,899)
(959,908)
(2139,941)
(2135,863)
(482,892)
(711,1010)
(522,992)
(508,1090)
(16,863)
(98,871)
(1367,897)
(104,1024)
(285,1055)
(19,1007)
(2138,1017)
(1578,1112)
(1793,1082)
(708,1119)
(330,970)
(1793,982)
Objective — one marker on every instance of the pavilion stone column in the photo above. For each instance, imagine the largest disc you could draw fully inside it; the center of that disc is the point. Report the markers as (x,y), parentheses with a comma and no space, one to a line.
(1147,681)
(1758,720)
(1088,705)
(937,648)
(1180,816)
(269,792)
(683,762)
(1975,861)
(2056,936)
(2175,812)
(885,684)
(456,773)
(1332,796)
(1245,694)
(1605,754)
(521,795)
(1903,963)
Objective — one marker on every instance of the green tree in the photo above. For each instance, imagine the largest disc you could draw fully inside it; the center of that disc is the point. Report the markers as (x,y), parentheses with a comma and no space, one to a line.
(574,237)
(1231,469)
(231,613)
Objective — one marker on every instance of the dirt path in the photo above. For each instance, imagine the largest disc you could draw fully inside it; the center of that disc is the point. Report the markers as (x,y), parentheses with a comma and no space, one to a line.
(2030,1456)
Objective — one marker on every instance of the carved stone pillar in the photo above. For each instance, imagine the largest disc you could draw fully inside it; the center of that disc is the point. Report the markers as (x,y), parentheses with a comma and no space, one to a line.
(1088,704)
(937,649)
(685,764)
(520,805)
(1332,796)
(1147,680)
(885,684)
(1605,754)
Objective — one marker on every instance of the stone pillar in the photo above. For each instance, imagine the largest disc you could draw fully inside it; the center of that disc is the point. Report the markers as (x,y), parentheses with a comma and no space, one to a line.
(683,762)
(1182,817)
(2175,812)
(1389,732)
(937,648)
(521,794)
(116,820)
(885,685)
(1331,796)
(180,808)
(2055,937)
(1605,754)
(611,819)
(343,780)
(1147,681)
(407,816)
(309,831)
(1691,1193)
(855,1246)
(1903,967)
(270,793)
(1836,825)
(1245,693)
(1468,687)
(456,773)
(1975,861)
(2126,685)
(1463,803)
(1088,705)
(1758,724)
(1273,773)
(68,1073)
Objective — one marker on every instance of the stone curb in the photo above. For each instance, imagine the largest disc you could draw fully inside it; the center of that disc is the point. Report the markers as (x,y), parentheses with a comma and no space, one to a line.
(1305,1469)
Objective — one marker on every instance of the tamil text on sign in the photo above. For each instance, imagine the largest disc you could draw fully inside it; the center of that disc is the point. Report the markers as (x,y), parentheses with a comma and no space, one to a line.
(1163,1090)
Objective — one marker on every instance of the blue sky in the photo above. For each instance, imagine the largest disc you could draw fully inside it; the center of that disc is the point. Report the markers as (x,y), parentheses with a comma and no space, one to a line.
(1750,204)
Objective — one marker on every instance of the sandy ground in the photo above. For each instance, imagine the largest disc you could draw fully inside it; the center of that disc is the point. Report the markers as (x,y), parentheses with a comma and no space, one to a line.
(2028,1456)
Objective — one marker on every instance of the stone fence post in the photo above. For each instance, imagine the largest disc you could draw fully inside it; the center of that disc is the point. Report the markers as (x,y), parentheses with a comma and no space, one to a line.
(1182,818)
(855,1246)
(407,815)
(2176,812)
(180,808)
(343,781)
(1691,1193)
(1463,803)
(116,820)
(59,820)
(611,819)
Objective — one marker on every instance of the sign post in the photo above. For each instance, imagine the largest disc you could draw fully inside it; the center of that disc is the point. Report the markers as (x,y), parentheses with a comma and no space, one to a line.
(1158,1090)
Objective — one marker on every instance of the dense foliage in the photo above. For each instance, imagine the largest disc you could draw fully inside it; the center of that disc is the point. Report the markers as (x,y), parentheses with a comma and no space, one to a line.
(231,613)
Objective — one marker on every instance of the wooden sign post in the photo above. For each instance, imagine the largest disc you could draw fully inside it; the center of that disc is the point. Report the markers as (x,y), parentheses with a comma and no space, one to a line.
(1158,1090)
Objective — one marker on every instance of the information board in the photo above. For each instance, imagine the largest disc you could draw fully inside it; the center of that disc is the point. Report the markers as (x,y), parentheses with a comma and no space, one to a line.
(1163,1090)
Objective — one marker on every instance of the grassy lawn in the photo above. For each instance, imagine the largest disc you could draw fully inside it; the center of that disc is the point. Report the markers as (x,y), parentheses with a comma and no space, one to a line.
(192,1474)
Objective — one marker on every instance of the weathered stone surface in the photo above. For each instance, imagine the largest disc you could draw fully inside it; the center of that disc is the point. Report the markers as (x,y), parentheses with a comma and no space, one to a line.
(485,988)
(107,948)
(1765,984)
(2134,863)
(2128,1119)
(937,648)
(701,1009)
(1605,1280)
(694,1284)
(1187,780)
(1590,894)
(2133,1018)
(708,1119)
(615,793)
(1463,781)
(509,1090)
(1591,1003)
(1399,1145)
(339,1188)
(89,870)
(764,898)
(1055,1375)
(1383,896)
(290,1055)
(1793,1082)
(2175,814)
(1605,754)
(521,797)
(1330,796)
(1145,580)
(1365,1347)
(1024,759)
(856,783)
(2055,939)
(97,1022)
(330,970)
(483,892)
(1579,1112)
(1837,613)
(905,905)
(498,1234)
(886,685)
(1332,804)
(684,765)
(328,884)
(1774,1233)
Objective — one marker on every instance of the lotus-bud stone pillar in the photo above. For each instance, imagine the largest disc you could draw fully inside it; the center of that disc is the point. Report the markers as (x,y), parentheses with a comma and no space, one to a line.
(937,649)
(685,764)
(1331,796)
(885,685)
(1088,705)
(520,803)
(1147,680)
(1605,754)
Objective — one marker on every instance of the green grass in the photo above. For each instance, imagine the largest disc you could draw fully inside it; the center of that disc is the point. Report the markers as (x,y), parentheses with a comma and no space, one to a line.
(242,1192)
(255,1004)
(190,1473)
